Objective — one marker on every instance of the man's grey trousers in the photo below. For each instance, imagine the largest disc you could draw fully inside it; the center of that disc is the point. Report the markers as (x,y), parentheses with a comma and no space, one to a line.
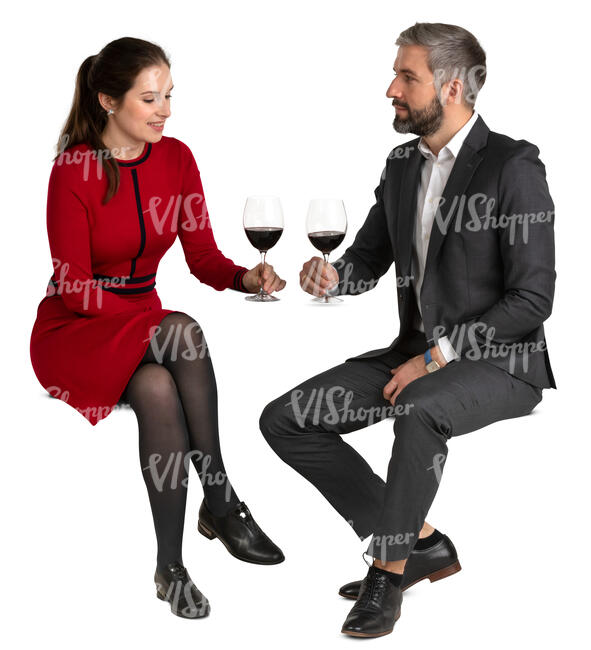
(304,427)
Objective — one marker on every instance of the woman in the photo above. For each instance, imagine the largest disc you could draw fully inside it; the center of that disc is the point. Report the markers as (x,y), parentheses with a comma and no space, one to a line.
(119,193)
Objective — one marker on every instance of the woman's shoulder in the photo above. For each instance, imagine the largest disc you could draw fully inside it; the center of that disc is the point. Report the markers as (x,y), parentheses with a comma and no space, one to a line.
(76,163)
(178,148)
(74,154)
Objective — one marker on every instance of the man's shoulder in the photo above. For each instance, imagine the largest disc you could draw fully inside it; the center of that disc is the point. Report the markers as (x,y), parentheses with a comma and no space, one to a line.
(403,151)
(502,147)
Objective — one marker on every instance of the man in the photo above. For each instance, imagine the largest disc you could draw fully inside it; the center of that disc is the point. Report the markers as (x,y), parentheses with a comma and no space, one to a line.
(466,216)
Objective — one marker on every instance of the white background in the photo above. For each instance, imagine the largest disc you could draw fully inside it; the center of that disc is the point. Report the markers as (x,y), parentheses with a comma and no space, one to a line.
(289,99)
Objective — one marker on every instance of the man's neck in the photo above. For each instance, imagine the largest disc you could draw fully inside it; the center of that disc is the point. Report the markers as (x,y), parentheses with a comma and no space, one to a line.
(436,141)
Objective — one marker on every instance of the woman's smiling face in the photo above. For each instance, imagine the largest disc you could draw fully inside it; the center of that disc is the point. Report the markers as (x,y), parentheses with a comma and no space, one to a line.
(140,116)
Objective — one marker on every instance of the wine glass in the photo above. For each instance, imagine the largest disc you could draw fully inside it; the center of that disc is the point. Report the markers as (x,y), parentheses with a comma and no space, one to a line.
(263,225)
(326,224)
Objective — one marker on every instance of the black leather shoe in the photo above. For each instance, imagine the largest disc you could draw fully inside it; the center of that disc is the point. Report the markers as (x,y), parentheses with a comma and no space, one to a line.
(377,608)
(435,563)
(240,534)
(174,585)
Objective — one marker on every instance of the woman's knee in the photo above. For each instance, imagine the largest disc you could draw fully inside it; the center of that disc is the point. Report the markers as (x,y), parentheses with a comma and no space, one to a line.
(151,384)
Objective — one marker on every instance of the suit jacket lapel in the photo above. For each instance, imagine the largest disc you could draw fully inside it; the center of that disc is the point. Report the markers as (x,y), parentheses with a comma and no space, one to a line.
(464,167)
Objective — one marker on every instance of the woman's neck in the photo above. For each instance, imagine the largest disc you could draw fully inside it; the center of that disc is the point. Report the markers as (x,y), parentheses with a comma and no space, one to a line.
(120,145)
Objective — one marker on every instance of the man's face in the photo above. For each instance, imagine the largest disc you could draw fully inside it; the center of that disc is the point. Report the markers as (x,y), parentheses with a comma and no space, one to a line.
(418,109)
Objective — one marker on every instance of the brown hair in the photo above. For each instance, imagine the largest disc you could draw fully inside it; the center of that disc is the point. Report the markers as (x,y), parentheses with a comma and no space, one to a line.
(112,71)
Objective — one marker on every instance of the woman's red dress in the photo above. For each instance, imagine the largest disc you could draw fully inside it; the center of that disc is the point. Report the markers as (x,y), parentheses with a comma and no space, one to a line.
(101,307)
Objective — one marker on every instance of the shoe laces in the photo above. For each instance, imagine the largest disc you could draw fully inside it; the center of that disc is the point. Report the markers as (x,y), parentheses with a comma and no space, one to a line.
(376,584)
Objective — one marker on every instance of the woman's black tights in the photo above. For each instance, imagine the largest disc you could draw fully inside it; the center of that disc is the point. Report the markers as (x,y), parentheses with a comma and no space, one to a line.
(173,393)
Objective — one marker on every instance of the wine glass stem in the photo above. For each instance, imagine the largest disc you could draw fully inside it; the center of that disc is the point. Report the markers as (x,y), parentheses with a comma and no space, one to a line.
(262,292)
(325,255)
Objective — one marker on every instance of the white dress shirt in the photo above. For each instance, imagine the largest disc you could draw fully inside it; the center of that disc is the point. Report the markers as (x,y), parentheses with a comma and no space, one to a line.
(434,174)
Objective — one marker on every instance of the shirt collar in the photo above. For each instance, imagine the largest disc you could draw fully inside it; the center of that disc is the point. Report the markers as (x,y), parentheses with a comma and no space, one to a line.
(454,145)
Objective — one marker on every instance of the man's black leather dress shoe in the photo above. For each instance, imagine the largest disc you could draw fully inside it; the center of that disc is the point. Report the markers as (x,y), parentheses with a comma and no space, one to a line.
(377,608)
(174,585)
(435,563)
(240,534)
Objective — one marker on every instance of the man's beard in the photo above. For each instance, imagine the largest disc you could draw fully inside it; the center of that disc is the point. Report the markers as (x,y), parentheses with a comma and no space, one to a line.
(424,121)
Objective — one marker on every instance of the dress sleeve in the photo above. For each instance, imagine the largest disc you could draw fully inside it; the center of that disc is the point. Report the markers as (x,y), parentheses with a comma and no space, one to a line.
(69,243)
(206,262)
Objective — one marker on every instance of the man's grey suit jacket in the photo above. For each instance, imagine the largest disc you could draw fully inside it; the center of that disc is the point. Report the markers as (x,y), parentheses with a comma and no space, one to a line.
(489,276)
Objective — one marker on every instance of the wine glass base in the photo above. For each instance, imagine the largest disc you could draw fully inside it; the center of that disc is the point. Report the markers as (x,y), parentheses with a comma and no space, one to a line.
(330,300)
(261,297)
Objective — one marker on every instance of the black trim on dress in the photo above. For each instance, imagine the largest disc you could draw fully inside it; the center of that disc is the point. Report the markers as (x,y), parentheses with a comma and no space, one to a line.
(125,279)
(133,163)
(123,290)
(138,202)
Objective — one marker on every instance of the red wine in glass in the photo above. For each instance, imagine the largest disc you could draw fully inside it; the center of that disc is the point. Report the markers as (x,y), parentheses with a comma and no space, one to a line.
(326,240)
(263,225)
(263,237)
(326,224)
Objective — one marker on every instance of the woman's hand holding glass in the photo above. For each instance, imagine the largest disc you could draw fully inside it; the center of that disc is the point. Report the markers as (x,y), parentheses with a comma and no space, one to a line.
(267,278)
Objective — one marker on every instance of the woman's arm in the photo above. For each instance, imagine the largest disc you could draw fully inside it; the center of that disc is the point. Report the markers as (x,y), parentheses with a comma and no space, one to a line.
(206,262)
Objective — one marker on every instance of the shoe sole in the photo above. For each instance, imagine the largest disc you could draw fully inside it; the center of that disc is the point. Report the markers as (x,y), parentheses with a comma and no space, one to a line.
(368,635)
(161,597)
(433,577)
(211,535)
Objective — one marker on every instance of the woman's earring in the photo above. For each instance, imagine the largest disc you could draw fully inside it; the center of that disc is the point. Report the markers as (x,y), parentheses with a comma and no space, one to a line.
(110,111)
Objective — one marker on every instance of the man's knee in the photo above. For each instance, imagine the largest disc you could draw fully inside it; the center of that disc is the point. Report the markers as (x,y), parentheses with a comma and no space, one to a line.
(281,426)
(420,411)
(271,420)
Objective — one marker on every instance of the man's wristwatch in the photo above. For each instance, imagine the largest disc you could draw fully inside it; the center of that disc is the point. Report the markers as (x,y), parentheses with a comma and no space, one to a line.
(431,364)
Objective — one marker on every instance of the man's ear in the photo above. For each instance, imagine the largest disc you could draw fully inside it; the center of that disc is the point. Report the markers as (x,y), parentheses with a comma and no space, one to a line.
(454,91)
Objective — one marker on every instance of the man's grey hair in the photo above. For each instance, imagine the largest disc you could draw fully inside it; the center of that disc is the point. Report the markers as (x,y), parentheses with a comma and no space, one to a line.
(453,53)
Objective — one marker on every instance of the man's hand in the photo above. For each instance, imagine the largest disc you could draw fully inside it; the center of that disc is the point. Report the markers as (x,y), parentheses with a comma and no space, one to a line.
(410,370)
(317,276)
(270,280)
